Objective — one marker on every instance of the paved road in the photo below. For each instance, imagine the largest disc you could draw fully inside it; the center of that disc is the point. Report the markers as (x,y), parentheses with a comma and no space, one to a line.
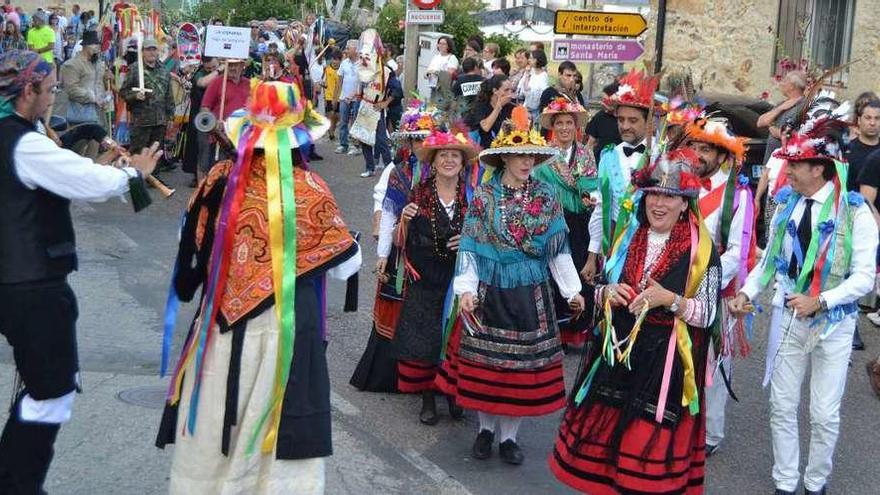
(380,447)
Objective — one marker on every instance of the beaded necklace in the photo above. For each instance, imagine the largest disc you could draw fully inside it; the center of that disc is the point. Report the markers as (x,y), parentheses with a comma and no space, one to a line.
(455,222)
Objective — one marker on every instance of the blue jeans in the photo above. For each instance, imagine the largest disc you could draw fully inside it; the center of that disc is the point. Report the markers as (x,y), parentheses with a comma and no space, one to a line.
(347,112)
(381,150)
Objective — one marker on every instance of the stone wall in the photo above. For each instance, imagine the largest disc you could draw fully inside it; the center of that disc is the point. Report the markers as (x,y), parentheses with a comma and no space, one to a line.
(729,45)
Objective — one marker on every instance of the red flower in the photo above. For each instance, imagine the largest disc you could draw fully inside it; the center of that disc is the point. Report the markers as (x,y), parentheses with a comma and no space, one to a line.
(533,208)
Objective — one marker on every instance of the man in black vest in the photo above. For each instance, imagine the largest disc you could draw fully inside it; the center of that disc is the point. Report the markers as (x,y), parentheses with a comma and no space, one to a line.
(38,309)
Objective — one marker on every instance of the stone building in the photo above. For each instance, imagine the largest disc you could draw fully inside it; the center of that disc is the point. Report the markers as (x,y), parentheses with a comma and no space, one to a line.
(736,46)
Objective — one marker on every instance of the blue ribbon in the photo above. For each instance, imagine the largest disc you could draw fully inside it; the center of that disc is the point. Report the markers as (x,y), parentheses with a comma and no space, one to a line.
(172,305)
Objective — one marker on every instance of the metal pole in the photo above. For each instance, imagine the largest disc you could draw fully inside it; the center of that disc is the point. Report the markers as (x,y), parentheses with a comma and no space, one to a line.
(592,67)
(661,33)
(410,55)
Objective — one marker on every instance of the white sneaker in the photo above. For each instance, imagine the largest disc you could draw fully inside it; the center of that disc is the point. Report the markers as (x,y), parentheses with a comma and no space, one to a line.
(339,150)
(874,317)
(367,174)
(354,152)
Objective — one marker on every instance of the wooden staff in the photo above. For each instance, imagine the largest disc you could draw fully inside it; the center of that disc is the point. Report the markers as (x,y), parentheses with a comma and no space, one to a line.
(140,61)
(222,106)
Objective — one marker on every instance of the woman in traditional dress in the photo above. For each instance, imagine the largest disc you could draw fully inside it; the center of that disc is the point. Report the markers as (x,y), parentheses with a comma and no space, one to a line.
(377,369)
(252,390)
(505,358)
(633,422)
(431,226)
(572,173)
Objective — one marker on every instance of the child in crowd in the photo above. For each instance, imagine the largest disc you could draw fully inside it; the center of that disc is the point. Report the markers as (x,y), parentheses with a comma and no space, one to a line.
(331,90)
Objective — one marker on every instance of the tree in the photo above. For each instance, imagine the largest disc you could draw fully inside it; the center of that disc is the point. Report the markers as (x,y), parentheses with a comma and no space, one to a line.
(388,23)
(460,21)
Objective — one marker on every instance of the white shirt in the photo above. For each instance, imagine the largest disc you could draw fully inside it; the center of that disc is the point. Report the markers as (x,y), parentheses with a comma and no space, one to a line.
(731,257)
(774,166)
(627,165)
(535,85)
(862,266)
(440,63)
(39,162)
(348,79)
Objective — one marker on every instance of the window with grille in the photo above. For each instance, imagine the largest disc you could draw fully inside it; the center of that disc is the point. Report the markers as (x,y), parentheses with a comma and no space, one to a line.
(814,33)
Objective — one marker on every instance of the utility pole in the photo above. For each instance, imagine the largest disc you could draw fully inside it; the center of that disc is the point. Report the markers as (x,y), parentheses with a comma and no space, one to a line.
(410,54)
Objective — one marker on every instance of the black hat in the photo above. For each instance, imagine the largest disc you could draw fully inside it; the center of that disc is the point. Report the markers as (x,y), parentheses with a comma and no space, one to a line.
(90,38)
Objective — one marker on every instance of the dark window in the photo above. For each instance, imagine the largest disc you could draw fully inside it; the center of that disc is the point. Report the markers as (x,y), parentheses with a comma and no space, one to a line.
(817,32)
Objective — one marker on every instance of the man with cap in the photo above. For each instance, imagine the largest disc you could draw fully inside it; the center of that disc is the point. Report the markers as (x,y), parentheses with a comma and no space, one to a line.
(83,78)
(41,37)
(237,90)
(820,272)
(37,251)
(725,202)
(152,106)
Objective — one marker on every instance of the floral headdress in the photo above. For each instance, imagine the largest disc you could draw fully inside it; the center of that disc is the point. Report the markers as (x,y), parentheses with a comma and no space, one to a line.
(680,112)
(441,140)
(635,90)
(668,174)
(819,138)
(516,137)
(563,105)
(417,121)
(716,131)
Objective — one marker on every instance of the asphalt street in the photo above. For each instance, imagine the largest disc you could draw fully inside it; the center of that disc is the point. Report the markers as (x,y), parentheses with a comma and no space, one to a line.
(380,446)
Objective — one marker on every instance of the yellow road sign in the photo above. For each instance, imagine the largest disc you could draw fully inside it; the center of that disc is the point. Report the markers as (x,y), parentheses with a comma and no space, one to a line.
(599,23)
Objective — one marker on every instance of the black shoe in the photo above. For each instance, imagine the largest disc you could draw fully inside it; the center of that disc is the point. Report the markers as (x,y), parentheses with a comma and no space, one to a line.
(511,453)
(711,449)
(314,157)
(482,448)
(428,415)
(456,411)
(780,491)
(821,491)
(857,344)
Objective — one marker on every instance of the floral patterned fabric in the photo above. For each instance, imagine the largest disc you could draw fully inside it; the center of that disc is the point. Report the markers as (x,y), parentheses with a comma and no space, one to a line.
(573,179)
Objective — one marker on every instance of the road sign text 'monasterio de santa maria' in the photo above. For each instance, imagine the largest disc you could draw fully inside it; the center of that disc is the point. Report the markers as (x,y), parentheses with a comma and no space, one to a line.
(597,50)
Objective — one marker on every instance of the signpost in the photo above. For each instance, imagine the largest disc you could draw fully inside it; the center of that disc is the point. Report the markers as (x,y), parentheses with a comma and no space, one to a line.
(425,16)
(593,23)
(597,50)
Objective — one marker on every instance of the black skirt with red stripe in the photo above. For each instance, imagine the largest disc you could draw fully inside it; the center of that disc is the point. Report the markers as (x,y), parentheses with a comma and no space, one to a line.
(573,331)
(415,376)
(513,366)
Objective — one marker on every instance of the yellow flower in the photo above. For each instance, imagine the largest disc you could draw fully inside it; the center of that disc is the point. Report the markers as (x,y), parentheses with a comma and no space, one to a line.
(516,138)
(627,204)
(460,138)
(536,138)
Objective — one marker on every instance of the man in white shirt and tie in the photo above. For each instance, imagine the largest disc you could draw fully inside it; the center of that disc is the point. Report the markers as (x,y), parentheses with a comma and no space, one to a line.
(820,273)
(631,103)
(725,204)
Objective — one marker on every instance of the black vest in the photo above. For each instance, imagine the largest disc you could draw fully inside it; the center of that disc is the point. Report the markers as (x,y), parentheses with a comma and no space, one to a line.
(36,232)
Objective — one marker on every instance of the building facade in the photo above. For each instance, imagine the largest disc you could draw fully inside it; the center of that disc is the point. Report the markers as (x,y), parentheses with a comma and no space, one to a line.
(740,46)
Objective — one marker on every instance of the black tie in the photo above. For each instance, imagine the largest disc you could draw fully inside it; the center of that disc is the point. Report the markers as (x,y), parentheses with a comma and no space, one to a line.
(629,150)
(804,233)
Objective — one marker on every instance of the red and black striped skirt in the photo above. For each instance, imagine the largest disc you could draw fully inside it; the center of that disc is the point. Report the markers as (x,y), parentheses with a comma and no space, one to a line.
(415,376)
(588,465)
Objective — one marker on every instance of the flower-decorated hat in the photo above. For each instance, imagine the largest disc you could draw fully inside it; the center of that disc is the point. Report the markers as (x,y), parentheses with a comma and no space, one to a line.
(669,174)
(278,109)
(417,122)
(819,138)
(516,138)
(563,105)
(680,112)
(716,131)
(440,140)
(635,90)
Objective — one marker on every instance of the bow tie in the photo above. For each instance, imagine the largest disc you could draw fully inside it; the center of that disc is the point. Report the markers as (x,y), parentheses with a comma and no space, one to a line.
(629,150)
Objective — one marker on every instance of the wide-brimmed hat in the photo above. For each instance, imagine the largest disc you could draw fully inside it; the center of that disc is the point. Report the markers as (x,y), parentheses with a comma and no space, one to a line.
(277,107)
(563,105)
(441,140)
(717,132)
(669,174)
(417,121)
(517,138)
(635,89)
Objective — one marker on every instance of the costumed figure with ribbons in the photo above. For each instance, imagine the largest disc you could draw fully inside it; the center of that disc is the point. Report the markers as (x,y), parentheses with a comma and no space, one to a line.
(428,236)
(377,369)
(573,175)
(249,401)
(728,210)
(369,126)
(505,356)
(634,421)
(633,105)
(189,57)
(820,271)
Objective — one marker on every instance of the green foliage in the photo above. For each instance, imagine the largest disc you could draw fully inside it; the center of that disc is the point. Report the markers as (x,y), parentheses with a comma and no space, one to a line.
(388,23)
(240,12)
(507,42)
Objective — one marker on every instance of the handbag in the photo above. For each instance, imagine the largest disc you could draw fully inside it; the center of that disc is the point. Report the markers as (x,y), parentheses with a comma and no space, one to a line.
(78,112)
